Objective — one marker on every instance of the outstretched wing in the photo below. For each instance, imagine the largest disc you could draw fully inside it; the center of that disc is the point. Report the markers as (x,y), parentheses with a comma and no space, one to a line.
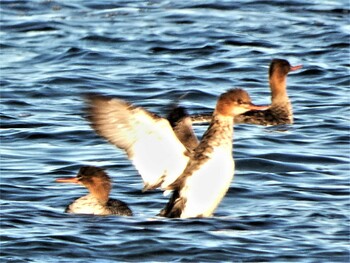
(148,139)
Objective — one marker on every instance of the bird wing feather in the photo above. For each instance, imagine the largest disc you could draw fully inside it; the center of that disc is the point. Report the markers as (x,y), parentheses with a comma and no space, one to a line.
(148,139)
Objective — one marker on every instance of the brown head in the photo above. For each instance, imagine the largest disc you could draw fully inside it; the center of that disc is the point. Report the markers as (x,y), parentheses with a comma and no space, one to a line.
(278,71)
(95,179)
(235,102)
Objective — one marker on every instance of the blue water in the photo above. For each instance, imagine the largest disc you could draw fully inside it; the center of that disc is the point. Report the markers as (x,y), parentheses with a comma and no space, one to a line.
(289,201)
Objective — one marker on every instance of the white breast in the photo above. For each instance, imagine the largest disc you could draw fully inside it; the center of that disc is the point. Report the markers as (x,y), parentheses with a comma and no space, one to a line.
(205,188)
(87,205)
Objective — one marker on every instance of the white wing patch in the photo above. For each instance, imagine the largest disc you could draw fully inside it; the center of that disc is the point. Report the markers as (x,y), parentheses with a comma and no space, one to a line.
(149,140)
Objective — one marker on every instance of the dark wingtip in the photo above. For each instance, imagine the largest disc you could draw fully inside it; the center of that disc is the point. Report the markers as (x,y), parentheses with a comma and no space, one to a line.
(176,114)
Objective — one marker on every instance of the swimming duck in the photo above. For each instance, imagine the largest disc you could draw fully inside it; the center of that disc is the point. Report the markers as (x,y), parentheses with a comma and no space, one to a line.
(280,111)
(199,179)
(97,202)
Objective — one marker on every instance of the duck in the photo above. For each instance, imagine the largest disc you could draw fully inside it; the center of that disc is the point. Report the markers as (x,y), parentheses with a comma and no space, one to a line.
(210,170)
(198,179)
(280,111)
(97,202)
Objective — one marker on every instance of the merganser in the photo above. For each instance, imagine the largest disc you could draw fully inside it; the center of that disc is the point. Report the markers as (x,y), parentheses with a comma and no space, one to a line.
(280,111)
(97,202)
(210,170)
(199,179)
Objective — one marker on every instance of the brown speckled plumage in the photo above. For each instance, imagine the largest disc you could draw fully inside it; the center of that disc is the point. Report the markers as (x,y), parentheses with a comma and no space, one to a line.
(219,135)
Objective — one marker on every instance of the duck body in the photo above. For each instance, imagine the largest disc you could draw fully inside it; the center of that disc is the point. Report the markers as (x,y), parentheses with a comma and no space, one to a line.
(276,114)
(207,176)
(89,204)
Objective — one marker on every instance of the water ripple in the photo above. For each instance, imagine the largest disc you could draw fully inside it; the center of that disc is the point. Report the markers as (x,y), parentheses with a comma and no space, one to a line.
(289,200)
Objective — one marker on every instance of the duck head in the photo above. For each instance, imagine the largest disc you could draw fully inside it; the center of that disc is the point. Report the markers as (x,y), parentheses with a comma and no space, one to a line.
(235,102)
(95,179)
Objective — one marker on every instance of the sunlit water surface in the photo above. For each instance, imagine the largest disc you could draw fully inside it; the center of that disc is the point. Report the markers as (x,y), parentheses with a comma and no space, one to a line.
(289,201)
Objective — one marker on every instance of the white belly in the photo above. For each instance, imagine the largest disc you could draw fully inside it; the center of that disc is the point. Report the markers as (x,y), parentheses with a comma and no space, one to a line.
(206,187)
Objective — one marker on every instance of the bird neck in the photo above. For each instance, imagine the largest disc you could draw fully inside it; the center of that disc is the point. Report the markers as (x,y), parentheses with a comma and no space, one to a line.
(220,131)
(278,86)
(100,191)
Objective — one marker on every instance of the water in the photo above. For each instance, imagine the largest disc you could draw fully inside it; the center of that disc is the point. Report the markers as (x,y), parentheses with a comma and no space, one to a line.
(289,201)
